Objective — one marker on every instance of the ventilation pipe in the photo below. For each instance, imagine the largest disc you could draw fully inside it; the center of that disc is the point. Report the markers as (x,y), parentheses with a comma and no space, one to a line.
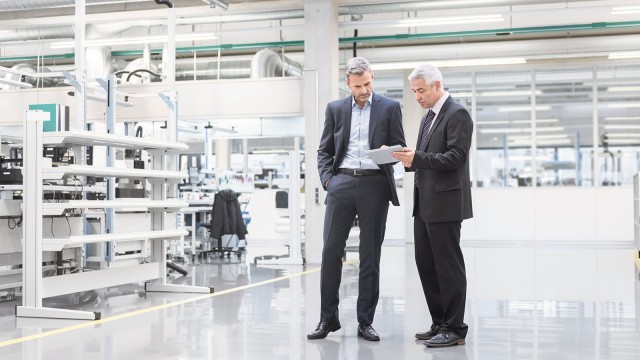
(31,69)
(18,5)
(268,63)
(207,70)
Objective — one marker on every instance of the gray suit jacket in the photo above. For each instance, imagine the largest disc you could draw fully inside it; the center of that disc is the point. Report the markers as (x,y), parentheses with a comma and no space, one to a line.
(385,128)
(445,185)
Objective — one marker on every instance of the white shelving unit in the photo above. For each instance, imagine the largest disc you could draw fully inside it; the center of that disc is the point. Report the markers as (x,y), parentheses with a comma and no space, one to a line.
(35,286)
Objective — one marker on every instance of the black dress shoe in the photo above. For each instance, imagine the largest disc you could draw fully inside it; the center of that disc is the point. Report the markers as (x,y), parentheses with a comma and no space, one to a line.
(427,335)
(323,329)
(445,338)
(367,332)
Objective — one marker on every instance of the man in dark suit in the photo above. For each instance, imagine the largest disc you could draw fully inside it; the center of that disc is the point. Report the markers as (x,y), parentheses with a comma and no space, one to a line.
(442,199)
(355,185)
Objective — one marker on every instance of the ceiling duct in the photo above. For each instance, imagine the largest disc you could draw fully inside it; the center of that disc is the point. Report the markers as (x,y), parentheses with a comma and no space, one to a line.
(268,63)
(35,82)
(38,33)
(265,63)
(208,70)
(18,5)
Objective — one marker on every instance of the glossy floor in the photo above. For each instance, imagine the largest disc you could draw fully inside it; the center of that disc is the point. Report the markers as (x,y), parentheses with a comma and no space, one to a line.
(524,302)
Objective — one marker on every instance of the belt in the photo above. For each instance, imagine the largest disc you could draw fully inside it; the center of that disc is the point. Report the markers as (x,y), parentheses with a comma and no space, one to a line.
(359,172)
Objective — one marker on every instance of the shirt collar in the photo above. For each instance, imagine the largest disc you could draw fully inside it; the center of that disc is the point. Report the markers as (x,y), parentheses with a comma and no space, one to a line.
(353,101)
(438,105)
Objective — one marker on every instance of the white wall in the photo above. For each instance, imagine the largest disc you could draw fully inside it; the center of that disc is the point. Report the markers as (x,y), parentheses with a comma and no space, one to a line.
(524,215)
(551,214)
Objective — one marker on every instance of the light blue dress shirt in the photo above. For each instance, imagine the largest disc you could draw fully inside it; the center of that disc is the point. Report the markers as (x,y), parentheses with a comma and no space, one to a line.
(356,156)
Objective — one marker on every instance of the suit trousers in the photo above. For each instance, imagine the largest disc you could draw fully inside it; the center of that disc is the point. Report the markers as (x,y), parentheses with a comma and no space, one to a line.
(348,196)
(442,273)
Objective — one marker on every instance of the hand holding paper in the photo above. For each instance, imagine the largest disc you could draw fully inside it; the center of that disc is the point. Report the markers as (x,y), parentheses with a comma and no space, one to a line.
(405,155)
(383,155)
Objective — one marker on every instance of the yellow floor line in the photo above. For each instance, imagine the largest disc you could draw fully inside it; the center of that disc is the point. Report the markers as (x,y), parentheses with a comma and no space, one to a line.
(636,257)
(156,308)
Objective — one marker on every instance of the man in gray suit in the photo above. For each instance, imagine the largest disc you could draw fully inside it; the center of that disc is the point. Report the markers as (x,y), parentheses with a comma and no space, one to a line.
(355,185)
(442,199)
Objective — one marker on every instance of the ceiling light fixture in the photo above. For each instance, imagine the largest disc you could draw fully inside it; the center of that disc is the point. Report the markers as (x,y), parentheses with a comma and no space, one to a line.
(624,55)
(623,89)
(521,130)
(472,19)
(544,137)
(404,65)
(624,10)
(627,135)
(623,141)
(134,40)
(622,118)
(480,123)
(622,127)
(541,142)
(523,108)
(623,105)
(538,121)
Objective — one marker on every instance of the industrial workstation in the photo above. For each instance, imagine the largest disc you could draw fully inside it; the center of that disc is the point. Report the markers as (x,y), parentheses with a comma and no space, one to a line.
(176,179)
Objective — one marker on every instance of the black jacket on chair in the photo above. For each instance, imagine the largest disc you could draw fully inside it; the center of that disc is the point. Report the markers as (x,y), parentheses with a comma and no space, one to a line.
(226,217)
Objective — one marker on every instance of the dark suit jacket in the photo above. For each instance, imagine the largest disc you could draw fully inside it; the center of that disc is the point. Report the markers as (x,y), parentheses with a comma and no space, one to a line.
(445,186)
(385,128)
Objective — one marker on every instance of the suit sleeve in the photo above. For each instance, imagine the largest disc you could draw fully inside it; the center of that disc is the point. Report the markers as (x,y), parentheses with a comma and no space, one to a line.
(458,142)
(327,148)
(396,131)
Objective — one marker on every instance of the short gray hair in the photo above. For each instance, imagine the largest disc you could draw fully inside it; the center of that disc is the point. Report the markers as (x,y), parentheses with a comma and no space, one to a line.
(357,66)
(427,72)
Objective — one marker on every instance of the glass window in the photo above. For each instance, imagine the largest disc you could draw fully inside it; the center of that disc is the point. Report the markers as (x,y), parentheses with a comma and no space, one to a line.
(503,101)
(564,127)
(618,125)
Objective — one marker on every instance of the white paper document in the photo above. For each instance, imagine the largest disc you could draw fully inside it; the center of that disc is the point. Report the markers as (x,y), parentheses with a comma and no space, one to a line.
(383,155)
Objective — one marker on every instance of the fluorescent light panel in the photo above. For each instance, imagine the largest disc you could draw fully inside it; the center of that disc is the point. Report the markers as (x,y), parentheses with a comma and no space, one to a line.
(623,105)
(541,142)
(523,108)
(624,10)
(403,65)
(134,40)
(521,130)
(505,122)
(472,19)
(538,121)
(544,137)
(627,135)
(622,127)
(624,55)
(497,93)
(623,141)
(621,118)
(623,89)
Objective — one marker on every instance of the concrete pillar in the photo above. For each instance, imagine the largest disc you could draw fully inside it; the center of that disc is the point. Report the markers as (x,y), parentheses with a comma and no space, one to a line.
(223,155)
(411,116)
(321,76)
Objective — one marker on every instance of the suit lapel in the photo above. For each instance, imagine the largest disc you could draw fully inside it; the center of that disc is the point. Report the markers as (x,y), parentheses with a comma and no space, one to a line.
(373,117)
(420,131)
(346,121)
(438,119)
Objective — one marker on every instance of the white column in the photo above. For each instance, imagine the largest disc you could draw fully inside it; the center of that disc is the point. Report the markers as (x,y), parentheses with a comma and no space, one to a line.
(223,155)
(321,76)
(411,116)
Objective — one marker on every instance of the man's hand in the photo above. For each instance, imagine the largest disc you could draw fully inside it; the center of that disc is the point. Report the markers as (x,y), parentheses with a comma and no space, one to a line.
(405,156)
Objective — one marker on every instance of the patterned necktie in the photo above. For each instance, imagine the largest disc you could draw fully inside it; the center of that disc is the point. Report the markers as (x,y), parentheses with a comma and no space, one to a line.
(423,140)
